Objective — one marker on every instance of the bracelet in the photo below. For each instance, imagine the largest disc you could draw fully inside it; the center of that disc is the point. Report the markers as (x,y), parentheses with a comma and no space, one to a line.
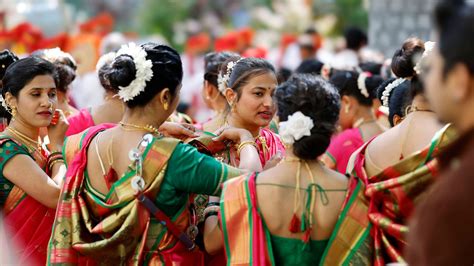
(52,163)
(215,203)
(54,155)
(211,213)
(211,209)
(243,144)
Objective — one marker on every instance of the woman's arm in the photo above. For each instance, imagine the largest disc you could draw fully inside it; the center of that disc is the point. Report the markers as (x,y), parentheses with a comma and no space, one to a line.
(213,241)
(22,171)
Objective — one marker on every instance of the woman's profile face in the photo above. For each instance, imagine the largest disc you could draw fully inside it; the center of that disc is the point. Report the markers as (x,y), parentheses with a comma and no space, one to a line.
(37,101)
(256,106)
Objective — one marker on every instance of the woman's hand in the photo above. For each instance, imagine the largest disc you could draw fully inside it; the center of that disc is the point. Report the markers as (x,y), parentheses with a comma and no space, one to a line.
(177,130)
(236,135)
(276,159)
(57,131)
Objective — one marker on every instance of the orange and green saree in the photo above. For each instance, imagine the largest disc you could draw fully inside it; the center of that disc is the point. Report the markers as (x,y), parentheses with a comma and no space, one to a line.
(372,227)
(115,228)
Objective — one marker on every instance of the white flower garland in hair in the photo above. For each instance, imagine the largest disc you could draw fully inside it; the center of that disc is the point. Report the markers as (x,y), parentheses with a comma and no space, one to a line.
(54,54)
(104,60)
(4,103)
(388,90)
(429,46)
(361,84)
(297,126)
(223,80)
(143,74)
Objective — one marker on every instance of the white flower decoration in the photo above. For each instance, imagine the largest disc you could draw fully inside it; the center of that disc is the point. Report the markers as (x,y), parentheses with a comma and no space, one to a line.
(54,54)
(4,103)
(104,60)
(361,84)
(429,46)
(386,93)
(144,71)
(297,126)
(223,80)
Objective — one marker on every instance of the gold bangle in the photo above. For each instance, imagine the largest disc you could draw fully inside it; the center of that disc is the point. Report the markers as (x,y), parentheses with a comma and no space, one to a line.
(243,144)
(51,164)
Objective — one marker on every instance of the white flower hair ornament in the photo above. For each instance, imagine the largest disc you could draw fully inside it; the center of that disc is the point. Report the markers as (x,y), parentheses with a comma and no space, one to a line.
(386,93)
(144,71)
(104,60)
(429,46)
(54,54)
(296,127)
(4,103)
(361,83)
(223,80)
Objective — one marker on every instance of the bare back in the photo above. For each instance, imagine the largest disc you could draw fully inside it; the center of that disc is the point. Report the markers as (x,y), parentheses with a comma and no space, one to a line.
(411,135)
(275,198)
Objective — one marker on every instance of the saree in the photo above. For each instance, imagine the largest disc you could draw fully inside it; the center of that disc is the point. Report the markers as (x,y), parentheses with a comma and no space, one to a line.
(372,227)
(116,229)
(245,239)
(341,148)
(27,221)
(79,122)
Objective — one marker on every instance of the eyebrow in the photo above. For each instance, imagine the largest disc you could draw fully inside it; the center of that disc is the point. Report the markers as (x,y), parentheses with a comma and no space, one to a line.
(263,88)
(39,88)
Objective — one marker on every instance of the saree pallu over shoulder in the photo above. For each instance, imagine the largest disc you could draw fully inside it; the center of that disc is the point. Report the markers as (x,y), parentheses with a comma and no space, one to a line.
(372,227)
(246,241)
(27,220)
(124,232)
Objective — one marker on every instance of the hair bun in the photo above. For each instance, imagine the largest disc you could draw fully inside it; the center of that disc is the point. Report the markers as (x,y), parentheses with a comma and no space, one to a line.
(404,59)
(122,71)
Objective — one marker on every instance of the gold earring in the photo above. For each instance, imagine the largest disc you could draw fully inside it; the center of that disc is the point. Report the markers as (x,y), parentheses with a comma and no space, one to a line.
(346,109)
(13,108)
(165,106)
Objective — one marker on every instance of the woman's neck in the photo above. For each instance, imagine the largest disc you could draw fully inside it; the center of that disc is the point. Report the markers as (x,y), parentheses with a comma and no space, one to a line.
(220,105)
(28,130)
(141,117)
(364,115)
(238,123)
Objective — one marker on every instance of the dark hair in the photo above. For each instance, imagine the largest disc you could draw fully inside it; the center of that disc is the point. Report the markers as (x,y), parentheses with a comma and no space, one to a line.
(310,66)
(355,38)
(65,67)
(398,99)
(404,59)
(102,73)
(283,75)
(22,72)
(346,83)
(212,62)
(315,98)
(6,59)
(454,21)
(167,72)
(372,67)
(244,70)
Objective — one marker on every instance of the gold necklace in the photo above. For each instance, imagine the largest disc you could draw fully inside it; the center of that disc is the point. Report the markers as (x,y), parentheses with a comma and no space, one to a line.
(148,128)
(27,141)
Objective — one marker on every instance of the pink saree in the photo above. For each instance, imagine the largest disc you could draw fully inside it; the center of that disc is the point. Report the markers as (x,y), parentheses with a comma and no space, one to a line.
(79,122)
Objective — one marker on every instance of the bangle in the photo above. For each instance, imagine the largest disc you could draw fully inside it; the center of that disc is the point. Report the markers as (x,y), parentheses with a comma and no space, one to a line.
(209,214)
(215,203)
(211,209)
(243,144)
(51,165)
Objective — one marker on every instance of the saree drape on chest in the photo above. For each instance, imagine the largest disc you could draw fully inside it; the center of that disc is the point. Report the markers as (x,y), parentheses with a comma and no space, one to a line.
(372,227)
(117,229)
(27,221)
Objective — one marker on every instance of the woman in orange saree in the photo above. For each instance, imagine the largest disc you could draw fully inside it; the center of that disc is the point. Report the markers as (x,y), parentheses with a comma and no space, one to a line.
(28,195)
(125,198)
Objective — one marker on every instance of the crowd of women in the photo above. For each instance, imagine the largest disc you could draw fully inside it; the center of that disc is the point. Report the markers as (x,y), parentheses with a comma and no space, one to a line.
(291,170)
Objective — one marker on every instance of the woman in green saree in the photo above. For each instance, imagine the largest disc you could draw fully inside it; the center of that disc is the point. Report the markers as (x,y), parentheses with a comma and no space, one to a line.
(99,217)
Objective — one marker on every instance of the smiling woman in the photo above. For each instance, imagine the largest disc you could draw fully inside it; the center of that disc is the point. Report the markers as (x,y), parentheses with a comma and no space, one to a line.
(30,174)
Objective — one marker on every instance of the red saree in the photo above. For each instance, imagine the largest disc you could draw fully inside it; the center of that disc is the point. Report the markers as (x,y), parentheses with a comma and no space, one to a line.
(372,227)
(28,223)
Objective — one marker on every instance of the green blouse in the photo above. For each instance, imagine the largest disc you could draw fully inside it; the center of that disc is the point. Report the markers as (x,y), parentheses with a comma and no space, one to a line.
(188,172)
(291,251)
(8,150)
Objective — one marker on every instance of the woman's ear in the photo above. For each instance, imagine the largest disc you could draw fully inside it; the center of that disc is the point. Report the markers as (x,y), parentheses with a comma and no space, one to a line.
(165,98)
(10,100)
(397,120)
(230,96)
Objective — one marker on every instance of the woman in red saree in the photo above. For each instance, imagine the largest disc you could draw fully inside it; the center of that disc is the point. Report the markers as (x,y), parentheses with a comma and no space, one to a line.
(356,117)
(390,175)
(28,194)
(286,214)
(125,198)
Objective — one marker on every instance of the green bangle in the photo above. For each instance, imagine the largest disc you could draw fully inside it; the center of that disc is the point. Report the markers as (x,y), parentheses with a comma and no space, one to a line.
(209,214)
